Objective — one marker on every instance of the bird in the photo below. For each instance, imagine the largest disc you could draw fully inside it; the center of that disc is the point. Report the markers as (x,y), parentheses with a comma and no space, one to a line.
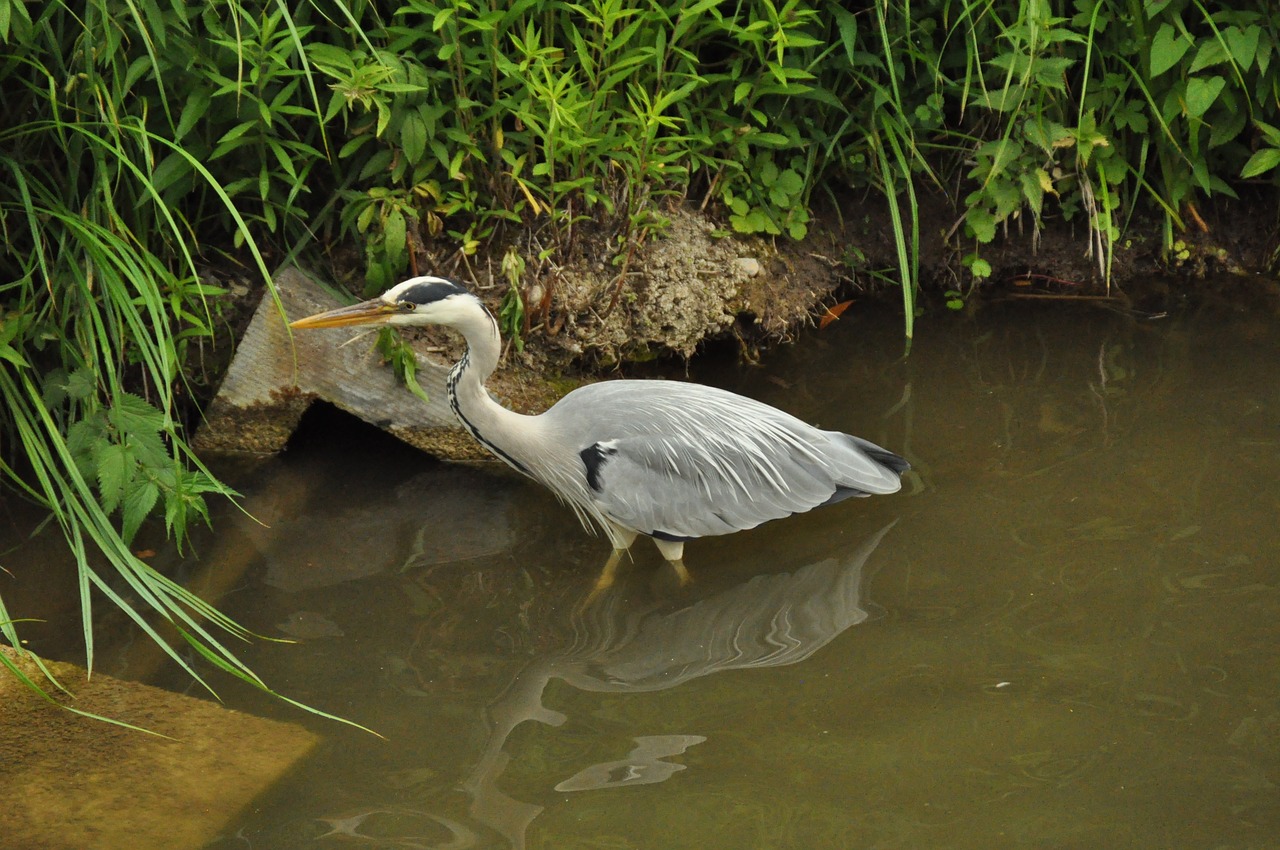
(669,460)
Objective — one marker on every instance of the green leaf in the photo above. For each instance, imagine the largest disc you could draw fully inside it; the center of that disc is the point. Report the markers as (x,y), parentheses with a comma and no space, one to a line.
(1007,196)
(148,449)
(455,165)
(193,110)
(115,468)
(376,164)
(1051,72)
(53,390)
(170,170)
(411,378)
(1270,132)
(754,221)
(790,183)
(133,414)
(1004,99)
(395,229)
(1211,52)
(797,39)
(1200,175)
(83,438)
(137,504)
(1261,162)
(402,88)
(1228,122)
(413,137)
(336,104)
(977,266)
(768,173)
(1167,48)
(384,118)
(847,24)
(982,223)
(1201,93)
(1047,135)
(17,326)
(1243,44)
(9,353)
(771,140)
(12,327)
(1033,188)
(234,133)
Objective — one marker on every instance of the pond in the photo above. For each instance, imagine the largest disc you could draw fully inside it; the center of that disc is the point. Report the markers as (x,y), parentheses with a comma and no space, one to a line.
(1061,633)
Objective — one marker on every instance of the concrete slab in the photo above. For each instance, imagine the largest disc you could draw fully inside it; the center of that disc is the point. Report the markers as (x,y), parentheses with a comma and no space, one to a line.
(276,375)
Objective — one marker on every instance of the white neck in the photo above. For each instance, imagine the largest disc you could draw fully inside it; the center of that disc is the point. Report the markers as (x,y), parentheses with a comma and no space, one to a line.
(499,430)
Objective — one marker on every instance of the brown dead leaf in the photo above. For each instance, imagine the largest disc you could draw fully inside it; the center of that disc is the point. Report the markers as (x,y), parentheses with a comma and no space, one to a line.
(832,313)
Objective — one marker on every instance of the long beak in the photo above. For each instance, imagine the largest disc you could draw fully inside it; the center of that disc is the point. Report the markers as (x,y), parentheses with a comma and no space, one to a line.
(371,312)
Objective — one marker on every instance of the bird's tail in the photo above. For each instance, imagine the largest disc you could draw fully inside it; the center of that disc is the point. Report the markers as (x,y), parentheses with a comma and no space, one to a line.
(884,457)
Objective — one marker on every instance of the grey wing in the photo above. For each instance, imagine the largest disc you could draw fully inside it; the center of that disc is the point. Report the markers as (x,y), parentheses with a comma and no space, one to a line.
(717,472)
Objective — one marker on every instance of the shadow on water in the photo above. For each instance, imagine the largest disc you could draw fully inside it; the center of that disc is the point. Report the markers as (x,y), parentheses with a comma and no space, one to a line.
(1076,598)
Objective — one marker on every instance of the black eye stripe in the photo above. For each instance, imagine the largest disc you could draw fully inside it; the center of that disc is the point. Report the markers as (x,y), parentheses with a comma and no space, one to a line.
(425,293)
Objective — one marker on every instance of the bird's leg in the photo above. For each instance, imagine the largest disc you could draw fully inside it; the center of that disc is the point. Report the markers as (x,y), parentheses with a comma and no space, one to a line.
(604,581)
(673,551)
(621,538)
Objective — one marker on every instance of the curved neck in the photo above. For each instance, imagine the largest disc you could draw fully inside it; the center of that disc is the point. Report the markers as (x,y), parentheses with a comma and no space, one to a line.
(493,426)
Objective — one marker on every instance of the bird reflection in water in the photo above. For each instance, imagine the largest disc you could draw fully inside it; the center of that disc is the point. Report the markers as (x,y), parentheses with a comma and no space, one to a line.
(768,621)
(641,766)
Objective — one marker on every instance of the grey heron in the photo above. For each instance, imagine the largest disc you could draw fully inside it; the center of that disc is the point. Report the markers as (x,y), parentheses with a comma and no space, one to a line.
(669,460)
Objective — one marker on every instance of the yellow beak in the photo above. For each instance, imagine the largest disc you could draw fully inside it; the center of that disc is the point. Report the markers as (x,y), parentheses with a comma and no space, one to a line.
(365,313)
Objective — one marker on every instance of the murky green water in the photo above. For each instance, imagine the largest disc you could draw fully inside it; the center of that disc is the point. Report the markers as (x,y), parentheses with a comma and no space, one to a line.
(1064,632)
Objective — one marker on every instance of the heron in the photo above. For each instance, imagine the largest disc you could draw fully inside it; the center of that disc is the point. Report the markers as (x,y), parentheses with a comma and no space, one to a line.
(669,460)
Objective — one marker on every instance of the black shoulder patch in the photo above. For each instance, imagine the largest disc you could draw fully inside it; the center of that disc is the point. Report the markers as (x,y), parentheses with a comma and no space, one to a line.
(426,293)
(593,458)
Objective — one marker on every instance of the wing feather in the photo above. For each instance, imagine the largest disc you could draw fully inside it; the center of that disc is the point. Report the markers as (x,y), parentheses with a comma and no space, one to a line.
(685,460)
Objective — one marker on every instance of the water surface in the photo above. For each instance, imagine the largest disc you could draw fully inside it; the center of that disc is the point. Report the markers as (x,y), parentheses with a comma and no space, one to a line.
(1062,633)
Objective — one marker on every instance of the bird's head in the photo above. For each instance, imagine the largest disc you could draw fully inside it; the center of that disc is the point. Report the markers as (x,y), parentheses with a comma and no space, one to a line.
(416,301)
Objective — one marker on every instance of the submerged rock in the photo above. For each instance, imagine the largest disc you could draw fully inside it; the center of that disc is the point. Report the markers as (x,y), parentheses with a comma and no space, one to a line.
(75,783)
